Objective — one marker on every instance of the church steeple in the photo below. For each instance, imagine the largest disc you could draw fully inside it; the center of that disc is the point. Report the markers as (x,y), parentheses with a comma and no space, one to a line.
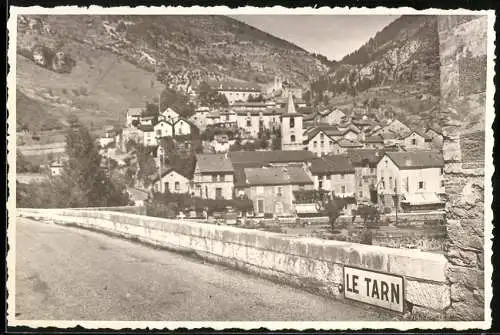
(290,108)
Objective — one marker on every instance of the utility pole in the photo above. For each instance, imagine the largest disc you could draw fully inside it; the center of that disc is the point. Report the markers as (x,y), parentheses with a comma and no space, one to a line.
(397,198)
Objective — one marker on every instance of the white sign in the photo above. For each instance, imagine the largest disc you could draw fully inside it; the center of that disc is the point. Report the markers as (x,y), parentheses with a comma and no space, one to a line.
(374,288)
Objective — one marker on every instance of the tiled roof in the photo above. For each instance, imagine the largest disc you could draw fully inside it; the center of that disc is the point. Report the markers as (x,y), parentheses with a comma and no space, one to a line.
(208,163)
(344,142)
(374,139)
(290,175)
(359,156)
(267,157)
(416,159)
(332,164)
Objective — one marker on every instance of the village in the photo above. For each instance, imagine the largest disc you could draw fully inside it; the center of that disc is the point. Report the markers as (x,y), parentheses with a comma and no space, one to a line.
(278,154)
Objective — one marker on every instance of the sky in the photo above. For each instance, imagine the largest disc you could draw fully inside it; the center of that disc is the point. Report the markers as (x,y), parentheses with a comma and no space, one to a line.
(333,36)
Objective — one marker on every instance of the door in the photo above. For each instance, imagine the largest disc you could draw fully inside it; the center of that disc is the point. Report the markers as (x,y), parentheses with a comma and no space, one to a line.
(260,206)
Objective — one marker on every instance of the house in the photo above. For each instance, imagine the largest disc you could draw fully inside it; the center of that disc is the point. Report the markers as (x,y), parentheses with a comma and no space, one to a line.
(169,115)
(252,106)
(412,179)
(248,159)
(133,115)
(56,167)
(436,136)
(147,120)
(365,163)
(132,134)
(334,173)
(332,116)
(292,130)
(271,188)
(372,142)
(199,118)
(171,181)
(253,122)
(139,197)
(182,127)
(149,136)
(393,127)
(415,140)
(236,91)
(213,176)
(163,129)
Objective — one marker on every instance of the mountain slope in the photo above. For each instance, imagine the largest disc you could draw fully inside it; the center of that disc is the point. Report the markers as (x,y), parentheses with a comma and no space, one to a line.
(107,63)
(398,70)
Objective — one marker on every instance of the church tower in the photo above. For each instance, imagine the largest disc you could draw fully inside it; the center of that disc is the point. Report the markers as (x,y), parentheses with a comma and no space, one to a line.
(292,132)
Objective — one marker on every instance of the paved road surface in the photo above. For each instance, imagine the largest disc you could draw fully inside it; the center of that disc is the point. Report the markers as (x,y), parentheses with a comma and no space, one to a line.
(67,273)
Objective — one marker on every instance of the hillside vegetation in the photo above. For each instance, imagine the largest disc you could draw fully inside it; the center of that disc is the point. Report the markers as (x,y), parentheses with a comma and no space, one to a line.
(397,70)
(97,66)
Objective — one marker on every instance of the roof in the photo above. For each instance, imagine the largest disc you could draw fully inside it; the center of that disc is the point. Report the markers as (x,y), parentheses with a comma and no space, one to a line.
(290,107)
(360,156)
(267,157)
(168,170)
(328,111)
(374,139)
(289,175)
(344,142)
(332,164)
(147,128)
(136,194)
(208,163)
(416,159)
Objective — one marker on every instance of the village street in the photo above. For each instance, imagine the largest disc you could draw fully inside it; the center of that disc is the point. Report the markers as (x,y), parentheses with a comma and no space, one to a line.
(67,273)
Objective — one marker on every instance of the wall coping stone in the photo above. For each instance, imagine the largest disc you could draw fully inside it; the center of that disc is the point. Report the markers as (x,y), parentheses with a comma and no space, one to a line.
(405,262)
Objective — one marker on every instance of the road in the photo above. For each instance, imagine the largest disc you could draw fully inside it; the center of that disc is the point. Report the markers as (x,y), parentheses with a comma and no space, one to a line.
(65,273)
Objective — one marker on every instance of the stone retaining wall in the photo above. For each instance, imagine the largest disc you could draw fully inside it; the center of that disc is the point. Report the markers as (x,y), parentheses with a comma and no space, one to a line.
(313,264)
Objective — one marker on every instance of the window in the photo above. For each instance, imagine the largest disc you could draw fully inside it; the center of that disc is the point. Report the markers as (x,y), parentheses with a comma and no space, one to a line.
(227,117)
(321,144)
(315,144)
(180,130)
(166,187)
(407,184)
(343,189)
(442,171)
(302,187)
(218,193)
(360,194)
(292,122)
(442,183)
(321,136)
(158,132)
(382,182)
(249,122)
(214,178)
(261,124)
(420,185)
(342,176)
(320,184)
(372,170)
(292,138)
(279,191)
(260,189)
(177,186)
(329,177)
(391,185)
(360,183)
(414,141)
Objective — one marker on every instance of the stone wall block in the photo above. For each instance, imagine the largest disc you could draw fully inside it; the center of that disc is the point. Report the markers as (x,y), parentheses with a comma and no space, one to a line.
(430,295)
(461,257)
(465,236)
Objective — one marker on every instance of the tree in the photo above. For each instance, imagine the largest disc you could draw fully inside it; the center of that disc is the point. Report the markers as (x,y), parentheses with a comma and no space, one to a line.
(332,207)
(210,97)
(85,183)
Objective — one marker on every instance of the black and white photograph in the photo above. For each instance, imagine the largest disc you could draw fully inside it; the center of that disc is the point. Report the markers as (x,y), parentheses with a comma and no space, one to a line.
(252,167)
